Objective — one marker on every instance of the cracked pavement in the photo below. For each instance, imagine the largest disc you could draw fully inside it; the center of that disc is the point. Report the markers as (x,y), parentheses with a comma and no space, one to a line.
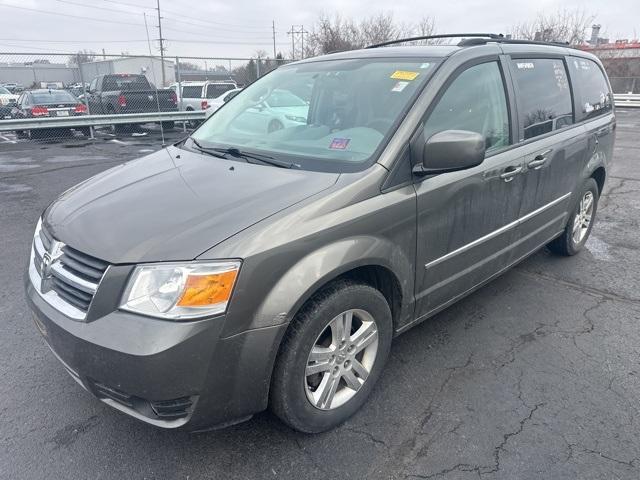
(535,376)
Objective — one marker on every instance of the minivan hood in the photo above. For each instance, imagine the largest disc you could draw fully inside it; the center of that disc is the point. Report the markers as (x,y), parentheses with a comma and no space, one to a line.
(173,205)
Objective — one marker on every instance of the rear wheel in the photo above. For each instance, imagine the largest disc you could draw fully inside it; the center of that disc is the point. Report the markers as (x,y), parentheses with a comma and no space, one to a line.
(333,354)
(168,125)
(580,222)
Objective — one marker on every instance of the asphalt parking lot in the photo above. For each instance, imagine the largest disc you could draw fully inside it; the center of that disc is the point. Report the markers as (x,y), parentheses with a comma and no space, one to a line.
(535,376)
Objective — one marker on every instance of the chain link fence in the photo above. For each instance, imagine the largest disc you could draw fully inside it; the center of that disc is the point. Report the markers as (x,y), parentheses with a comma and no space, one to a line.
(36,87)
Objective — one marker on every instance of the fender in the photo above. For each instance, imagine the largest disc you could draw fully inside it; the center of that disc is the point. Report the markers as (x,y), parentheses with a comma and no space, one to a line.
(321,266)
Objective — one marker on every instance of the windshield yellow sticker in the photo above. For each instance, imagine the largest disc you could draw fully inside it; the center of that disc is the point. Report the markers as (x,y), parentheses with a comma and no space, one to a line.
(404,75)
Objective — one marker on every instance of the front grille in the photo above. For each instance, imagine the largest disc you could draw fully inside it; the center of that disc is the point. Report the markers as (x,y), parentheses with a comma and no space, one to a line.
(70,275)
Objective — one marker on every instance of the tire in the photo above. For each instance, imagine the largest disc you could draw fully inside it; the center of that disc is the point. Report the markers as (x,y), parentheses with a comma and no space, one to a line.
(292,391)
(192,123)
(274,126)
(168,125)
(86,131)
(571,241)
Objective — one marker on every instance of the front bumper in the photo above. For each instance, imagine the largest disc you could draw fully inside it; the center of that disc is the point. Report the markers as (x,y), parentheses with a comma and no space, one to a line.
(169,374)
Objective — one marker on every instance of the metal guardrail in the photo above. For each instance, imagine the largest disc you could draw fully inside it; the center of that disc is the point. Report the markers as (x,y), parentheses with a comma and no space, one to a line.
(99,120)
(623,100)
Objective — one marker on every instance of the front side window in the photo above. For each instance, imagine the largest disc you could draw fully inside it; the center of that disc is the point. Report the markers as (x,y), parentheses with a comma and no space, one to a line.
(328,115)
(476,102)
(544,95)
(593,89)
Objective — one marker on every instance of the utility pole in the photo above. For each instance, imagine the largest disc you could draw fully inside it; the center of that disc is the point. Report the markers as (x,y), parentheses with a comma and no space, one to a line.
(161,43)
(273,31)
(297,33)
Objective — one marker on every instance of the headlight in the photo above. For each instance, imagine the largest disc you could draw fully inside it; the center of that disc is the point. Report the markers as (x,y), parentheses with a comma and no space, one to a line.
(181,291)
(295,118)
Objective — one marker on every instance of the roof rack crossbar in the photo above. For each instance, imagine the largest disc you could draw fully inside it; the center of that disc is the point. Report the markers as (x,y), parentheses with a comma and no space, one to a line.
(493,36)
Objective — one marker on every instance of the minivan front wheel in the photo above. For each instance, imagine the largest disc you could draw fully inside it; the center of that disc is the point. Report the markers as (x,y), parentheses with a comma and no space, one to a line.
(333,354)
(580,222)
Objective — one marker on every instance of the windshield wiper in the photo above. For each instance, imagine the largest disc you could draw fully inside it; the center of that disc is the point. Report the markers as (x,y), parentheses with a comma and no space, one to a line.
(234,152)
(209,151)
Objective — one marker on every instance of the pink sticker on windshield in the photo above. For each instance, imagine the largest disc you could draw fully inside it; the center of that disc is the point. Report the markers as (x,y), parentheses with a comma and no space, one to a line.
(339,143)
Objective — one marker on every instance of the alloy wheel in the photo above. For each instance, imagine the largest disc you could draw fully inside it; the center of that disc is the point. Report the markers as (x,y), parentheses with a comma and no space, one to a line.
(341,359)
(582,220)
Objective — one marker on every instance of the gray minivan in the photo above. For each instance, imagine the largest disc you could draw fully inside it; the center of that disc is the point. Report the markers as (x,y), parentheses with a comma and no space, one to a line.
(241,269)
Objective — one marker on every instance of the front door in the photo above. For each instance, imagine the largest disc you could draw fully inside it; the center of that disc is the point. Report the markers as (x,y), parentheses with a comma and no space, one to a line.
(466,220)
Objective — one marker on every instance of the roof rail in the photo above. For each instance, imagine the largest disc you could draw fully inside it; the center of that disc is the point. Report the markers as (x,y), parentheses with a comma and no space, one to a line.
(468,42)
(488,36)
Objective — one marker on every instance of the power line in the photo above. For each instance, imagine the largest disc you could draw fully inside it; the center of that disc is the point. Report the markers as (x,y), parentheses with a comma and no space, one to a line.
(231,42)
(182,15)
(68,15)
(67,41)
(96,7)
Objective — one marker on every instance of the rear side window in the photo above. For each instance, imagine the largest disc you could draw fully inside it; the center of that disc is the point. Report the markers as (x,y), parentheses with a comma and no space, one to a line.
(214,90)
(592,88)
(544,98)
(192,91)
(475,101)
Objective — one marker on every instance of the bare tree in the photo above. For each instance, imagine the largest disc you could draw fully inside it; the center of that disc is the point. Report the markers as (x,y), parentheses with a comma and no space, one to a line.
(334,34)
(83,56)
(562,26)
(378,29)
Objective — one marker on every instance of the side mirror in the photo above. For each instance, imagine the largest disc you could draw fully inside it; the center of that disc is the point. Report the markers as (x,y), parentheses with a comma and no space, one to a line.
(452,150)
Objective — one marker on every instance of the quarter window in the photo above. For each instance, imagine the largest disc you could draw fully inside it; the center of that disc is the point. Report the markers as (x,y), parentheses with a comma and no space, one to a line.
(593,90)
(544,95)
(475,101)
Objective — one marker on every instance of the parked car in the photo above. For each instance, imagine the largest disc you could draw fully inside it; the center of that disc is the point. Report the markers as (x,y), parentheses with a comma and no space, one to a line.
(12,87)
(280,109)
(7,103)
(215,103)
(48,103)
(129,93)
(239,269)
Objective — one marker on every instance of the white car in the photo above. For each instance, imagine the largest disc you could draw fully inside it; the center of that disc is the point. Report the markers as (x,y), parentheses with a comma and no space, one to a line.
(281,109)
(7,102)
(215,103)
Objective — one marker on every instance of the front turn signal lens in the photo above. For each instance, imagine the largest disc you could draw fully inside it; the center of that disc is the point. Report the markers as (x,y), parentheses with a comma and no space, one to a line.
(181,291)
(203,290)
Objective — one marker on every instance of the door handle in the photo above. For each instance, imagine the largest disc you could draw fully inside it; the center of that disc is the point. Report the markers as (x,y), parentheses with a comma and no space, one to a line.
(539,160)
(510,172)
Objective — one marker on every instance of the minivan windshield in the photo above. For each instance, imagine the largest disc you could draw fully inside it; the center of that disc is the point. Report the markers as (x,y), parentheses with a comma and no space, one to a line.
(330,115)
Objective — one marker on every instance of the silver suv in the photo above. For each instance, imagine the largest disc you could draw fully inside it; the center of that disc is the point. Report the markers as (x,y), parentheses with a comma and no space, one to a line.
(248,267)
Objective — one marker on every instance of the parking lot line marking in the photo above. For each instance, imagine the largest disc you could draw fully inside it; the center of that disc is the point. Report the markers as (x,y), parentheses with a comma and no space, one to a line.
(7,140)
(119,142)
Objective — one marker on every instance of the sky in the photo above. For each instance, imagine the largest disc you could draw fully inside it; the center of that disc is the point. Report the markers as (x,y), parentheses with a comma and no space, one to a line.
(238,28)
